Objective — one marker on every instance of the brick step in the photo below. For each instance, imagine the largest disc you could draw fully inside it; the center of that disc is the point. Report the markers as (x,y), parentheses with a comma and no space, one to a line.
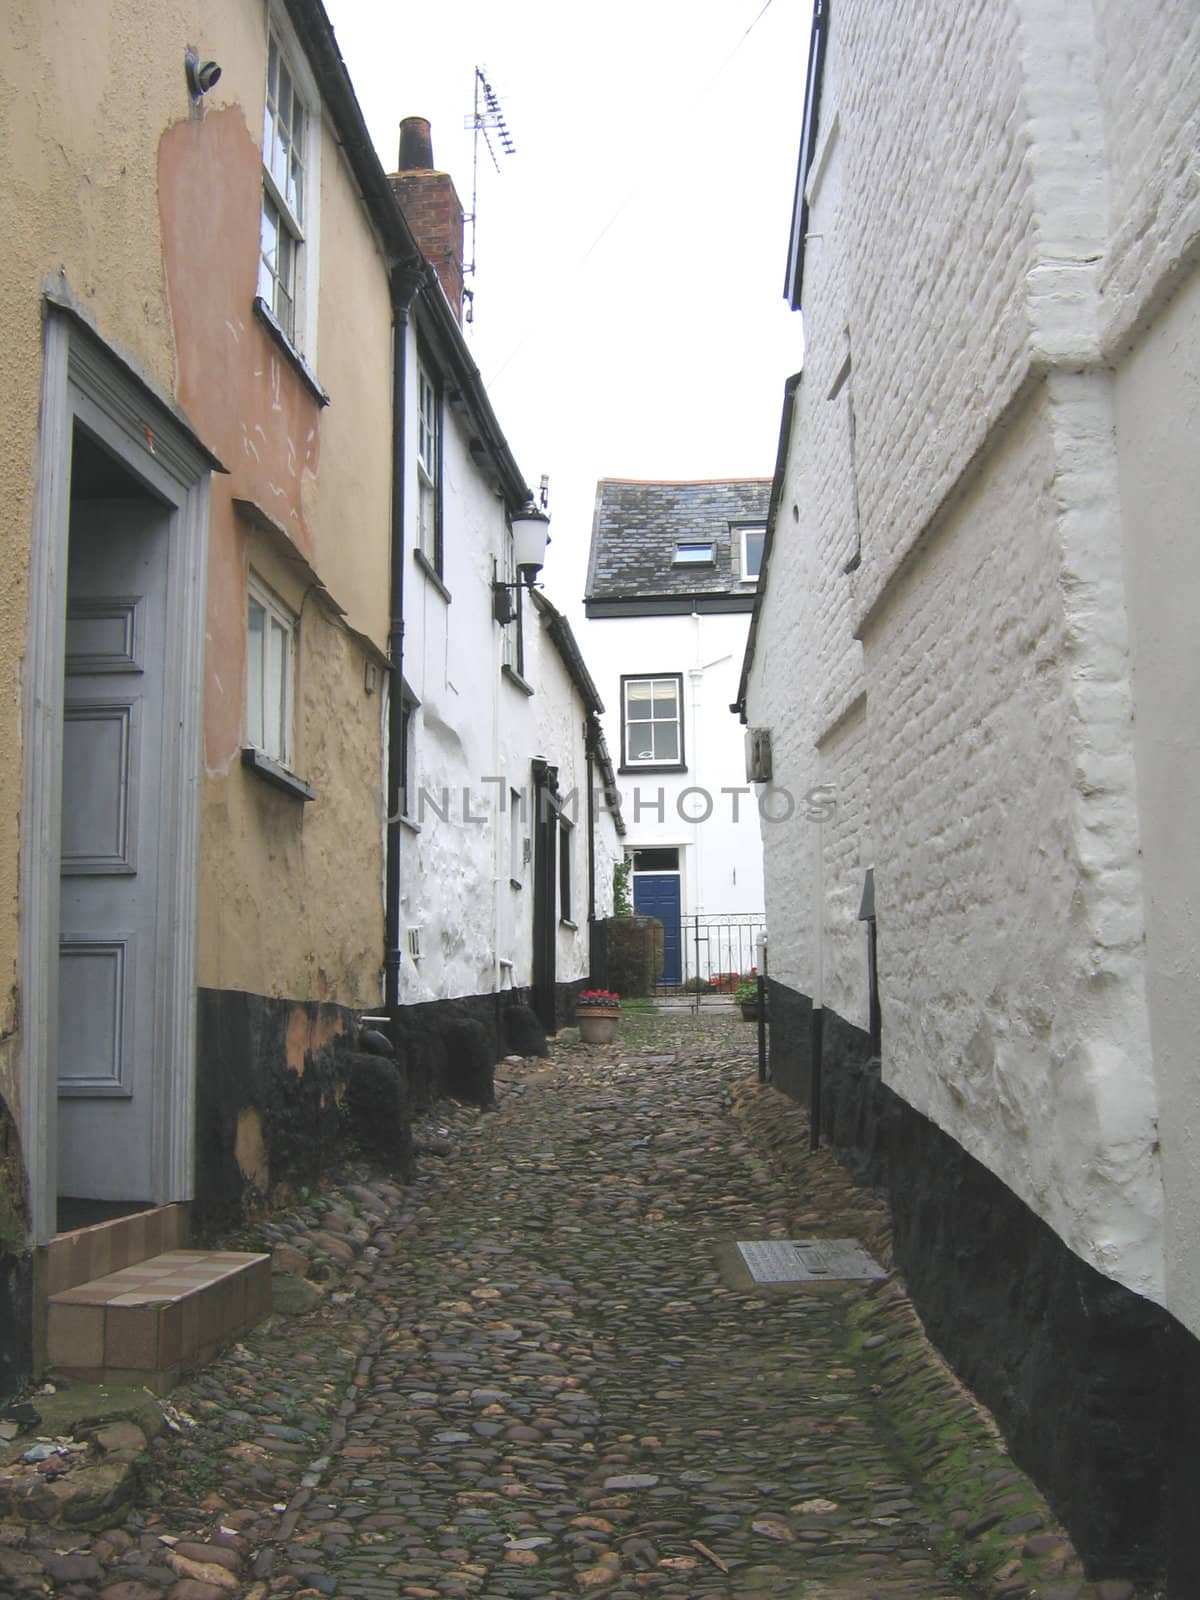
(149,1322)
(87,1253)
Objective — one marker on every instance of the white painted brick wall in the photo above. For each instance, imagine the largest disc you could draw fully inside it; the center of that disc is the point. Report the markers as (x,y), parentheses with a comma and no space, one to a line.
(937,213)
(1011,195)
(1149,82)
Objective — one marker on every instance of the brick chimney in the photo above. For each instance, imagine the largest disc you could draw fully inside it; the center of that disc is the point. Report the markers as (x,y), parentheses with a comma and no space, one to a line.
(431,208)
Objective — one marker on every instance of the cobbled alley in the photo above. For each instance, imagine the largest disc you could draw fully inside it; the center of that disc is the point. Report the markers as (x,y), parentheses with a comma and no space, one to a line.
(531,1373)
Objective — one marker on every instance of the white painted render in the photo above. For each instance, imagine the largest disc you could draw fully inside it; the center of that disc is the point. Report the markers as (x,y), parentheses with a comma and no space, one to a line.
(999,691)
(716,830)
(474,735)
(1160,493)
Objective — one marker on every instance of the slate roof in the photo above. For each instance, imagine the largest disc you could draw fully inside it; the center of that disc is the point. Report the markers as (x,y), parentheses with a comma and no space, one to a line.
(637,526)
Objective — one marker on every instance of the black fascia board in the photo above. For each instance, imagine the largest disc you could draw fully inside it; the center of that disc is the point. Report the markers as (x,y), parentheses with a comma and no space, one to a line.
(674,605)
(793,283)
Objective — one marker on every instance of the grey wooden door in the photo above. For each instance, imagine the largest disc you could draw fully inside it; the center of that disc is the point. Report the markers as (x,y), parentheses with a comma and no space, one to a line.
(112,748)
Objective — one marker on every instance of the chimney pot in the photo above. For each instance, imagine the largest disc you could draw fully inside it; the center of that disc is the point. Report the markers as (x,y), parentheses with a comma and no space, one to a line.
(431,207)
(416,145)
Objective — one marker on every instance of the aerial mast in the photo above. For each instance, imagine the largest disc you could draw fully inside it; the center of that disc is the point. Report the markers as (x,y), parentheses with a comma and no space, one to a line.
(487,120)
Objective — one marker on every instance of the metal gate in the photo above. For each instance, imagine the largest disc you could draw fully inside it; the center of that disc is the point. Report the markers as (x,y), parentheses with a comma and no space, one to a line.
(717,952)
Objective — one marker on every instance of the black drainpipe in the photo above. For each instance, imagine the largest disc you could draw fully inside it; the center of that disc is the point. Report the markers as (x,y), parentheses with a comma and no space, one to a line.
(404,285)
(590,748)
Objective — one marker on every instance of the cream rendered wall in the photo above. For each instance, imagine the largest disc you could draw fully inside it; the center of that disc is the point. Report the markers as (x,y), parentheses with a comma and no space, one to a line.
(86,93)
(994,218)
(121,189)
(322,475)
(77,201)
(721,857)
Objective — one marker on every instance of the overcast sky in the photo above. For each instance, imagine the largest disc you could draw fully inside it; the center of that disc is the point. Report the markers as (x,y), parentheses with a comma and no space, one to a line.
(629,320)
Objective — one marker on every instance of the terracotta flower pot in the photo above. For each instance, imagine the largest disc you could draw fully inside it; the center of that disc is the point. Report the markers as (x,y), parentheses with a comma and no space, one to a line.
(597,1024)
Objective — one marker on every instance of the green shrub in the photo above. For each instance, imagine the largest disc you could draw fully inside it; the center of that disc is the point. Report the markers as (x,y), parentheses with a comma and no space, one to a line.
(634,954)
(622,894)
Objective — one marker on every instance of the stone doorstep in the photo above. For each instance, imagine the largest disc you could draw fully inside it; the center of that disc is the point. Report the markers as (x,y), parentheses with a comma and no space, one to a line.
(90,1253)
(149,1322)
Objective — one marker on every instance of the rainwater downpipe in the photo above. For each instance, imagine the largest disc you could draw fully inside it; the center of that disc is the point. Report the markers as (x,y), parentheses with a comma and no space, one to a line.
(816,1042)
(403,287)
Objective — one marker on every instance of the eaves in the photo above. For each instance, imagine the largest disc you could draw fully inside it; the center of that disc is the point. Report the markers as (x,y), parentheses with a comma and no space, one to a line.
(782,451)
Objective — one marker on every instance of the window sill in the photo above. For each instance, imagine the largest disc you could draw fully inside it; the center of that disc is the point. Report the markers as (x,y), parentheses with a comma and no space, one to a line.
(278,776)
(266,316)
(421,560)
(514,677)
(676,766)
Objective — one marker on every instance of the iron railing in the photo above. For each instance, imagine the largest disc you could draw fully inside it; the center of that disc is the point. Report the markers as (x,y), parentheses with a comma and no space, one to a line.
(716,953)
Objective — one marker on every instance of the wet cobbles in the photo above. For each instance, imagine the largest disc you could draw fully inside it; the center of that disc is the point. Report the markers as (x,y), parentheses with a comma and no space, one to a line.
(570,1400)
(526,1377)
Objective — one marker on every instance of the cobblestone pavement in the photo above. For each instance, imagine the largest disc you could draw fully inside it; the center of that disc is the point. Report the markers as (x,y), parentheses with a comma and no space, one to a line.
(530,1379)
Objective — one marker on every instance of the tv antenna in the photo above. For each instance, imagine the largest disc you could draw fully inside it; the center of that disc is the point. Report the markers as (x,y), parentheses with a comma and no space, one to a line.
(487,120)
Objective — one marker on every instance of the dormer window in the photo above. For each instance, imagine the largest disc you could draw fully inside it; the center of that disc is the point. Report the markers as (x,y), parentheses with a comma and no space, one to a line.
(696,553)
(751,537)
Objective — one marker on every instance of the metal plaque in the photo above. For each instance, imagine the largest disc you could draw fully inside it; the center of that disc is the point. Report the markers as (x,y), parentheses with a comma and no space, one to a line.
(807,1260)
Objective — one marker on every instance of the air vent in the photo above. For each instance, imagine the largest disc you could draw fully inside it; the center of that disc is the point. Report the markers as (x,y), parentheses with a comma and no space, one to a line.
(414,943)
(759,764)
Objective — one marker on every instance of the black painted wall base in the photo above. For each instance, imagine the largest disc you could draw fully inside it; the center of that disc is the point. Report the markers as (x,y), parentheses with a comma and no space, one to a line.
(1096,1388)
(16,1324)
(16,1263)
(278,1082)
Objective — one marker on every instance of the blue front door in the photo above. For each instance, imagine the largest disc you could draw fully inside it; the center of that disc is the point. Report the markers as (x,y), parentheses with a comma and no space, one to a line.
(656,894)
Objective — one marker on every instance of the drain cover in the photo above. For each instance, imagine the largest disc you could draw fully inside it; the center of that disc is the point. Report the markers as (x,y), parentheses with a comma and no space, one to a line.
(807,1260)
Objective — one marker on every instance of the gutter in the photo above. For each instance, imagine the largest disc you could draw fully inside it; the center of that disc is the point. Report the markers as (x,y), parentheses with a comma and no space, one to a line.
(781,454)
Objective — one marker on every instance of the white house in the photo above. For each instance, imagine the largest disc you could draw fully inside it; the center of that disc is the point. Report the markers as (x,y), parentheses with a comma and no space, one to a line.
(672,575)
(976,625)
(500,742)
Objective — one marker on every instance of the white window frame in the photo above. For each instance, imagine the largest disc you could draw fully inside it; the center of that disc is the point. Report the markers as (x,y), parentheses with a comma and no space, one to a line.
(516,838)
(408,751)
(429,461)
(513,646)
(566,870)
(275,614)
(652,678)
(301,223)
(744,531)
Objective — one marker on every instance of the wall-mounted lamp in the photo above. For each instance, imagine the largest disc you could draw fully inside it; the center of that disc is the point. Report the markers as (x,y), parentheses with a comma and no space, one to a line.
(531,535)
(201,75)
